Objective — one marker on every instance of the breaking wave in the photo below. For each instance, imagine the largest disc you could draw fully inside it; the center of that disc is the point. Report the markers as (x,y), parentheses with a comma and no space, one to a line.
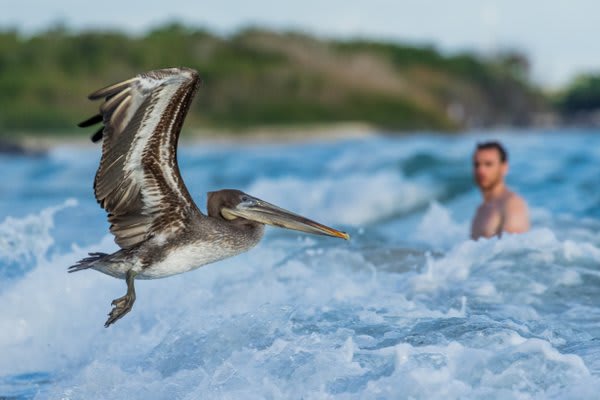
(409,308)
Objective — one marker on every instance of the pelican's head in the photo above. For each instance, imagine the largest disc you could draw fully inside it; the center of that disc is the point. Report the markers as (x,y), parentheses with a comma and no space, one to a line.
(230,204)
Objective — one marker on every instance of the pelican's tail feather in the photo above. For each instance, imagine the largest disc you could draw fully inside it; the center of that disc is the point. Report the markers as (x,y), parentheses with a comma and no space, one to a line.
(87,262)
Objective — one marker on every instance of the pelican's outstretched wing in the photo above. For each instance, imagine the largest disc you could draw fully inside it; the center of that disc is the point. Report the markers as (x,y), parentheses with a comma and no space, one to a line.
(138,182)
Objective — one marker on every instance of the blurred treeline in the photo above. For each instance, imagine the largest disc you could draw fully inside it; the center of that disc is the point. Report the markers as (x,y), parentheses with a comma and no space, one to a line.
(579,103)
(259,78)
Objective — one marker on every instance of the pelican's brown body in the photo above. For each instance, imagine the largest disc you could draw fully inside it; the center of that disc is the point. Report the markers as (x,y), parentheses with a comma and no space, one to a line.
(203,240)
(156,223)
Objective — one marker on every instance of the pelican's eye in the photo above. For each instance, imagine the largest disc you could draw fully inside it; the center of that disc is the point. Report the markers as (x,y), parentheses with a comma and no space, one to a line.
(247,201)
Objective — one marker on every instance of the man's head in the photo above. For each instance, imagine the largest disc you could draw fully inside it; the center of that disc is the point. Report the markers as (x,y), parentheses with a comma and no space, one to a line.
(490,165)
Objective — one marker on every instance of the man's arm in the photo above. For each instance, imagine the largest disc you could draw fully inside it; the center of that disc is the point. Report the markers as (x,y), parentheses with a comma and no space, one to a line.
(516,217)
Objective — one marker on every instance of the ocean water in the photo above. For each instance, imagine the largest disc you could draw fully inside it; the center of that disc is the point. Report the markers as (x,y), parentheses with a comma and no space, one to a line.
(408,309)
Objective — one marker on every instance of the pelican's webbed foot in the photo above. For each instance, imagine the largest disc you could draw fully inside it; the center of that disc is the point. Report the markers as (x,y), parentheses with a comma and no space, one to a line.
(124,304)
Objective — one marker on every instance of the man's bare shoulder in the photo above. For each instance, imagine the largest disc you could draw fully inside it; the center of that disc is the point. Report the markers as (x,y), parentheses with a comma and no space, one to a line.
(516,218)
(513,201)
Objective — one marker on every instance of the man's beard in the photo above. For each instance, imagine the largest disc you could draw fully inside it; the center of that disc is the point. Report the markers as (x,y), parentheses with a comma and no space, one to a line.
(493,183)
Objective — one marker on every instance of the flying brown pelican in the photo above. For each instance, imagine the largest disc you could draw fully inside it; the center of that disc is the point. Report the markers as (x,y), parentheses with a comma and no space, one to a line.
(160,230)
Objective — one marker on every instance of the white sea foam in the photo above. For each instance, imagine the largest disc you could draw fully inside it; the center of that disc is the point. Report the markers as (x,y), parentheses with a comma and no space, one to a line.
(436,316)
(514,367)
(355,199)
(259,327)
(439,230)
(541,245)
(28,239)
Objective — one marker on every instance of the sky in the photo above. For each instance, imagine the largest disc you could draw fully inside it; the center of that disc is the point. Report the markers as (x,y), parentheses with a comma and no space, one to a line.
(560,37)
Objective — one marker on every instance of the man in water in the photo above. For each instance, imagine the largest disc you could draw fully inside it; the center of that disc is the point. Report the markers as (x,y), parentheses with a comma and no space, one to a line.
(501,210)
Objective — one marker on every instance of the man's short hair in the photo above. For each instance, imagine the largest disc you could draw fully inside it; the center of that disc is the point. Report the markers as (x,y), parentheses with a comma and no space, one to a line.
(493,145)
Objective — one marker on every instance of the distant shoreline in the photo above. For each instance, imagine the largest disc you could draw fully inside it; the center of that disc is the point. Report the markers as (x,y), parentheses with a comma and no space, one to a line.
(41,142)
(283,134)
(38,143)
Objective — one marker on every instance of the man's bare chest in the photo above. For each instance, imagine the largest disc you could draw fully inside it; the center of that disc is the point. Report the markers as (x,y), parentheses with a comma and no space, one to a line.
(488,220)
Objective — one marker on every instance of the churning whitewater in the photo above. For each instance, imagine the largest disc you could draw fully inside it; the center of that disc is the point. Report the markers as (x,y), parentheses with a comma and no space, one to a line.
(409,308)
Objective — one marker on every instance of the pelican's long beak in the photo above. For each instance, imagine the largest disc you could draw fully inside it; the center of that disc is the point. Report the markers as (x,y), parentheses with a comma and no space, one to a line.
(260,211)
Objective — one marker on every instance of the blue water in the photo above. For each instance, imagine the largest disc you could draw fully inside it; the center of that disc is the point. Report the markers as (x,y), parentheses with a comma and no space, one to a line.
(409,308)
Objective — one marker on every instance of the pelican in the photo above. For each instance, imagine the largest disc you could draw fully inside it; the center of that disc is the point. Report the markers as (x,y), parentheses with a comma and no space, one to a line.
(158,227)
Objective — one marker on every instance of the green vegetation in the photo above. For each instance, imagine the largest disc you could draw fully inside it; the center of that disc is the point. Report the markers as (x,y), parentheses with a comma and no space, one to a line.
(259,78)
(582,96)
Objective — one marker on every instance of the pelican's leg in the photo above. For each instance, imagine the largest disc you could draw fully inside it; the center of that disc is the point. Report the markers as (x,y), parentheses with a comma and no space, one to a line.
(123,305)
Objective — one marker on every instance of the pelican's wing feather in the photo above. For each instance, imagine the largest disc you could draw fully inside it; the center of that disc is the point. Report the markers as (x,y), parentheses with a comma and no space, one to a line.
(138,181)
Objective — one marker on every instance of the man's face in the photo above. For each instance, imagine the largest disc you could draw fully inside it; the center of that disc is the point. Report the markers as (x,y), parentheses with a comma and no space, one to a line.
(488,169)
